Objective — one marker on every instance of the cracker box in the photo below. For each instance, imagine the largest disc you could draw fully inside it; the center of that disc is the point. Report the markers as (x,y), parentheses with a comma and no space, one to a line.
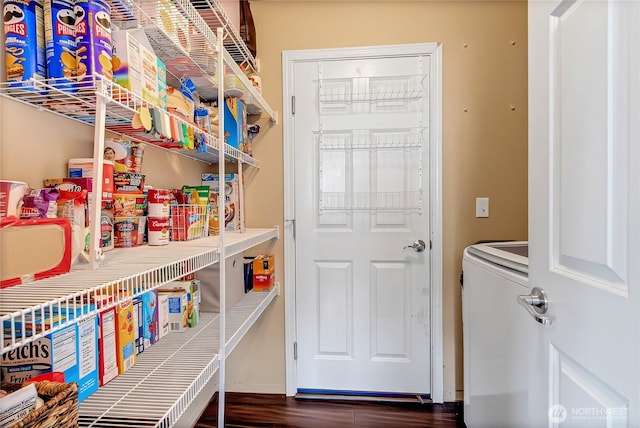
(53,352)
(163,315)
(107,346)
(125,336)
(138,325)
(71,350)
(232,198)
(263,272)
(177,304)
(150,317)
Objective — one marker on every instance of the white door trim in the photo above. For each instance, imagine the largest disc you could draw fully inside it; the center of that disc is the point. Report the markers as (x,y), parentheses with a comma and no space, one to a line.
(289,59)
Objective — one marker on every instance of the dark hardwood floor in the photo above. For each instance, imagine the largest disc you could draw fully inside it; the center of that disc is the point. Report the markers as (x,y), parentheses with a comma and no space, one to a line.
(274,410)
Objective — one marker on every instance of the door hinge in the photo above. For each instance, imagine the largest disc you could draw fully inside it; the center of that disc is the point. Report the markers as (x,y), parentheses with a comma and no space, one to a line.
(430,245)
(293,105)
(295,350)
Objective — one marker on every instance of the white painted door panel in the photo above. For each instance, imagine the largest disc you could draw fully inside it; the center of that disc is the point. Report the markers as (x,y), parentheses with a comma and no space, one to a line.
(361,177)
(584,215)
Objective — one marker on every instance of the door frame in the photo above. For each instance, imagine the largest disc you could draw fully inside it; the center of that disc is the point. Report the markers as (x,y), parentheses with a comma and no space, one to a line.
(289,59)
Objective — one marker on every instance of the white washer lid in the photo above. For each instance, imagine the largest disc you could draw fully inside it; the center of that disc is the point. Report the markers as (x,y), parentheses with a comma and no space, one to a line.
(512,254)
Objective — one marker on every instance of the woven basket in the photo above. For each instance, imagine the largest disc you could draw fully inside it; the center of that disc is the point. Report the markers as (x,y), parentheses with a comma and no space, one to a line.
(60,408)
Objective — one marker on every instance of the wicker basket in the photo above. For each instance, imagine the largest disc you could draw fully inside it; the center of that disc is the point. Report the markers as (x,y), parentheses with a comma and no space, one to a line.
(60,408)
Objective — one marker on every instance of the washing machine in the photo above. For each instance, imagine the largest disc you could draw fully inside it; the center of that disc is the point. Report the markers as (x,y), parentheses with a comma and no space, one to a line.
(497,335)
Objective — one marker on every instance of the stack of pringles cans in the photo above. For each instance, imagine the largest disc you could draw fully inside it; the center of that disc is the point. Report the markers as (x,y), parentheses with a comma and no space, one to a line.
(129,199)
(74,42)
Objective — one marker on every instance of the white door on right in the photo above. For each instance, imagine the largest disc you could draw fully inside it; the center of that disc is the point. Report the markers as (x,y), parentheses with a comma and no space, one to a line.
(584,211)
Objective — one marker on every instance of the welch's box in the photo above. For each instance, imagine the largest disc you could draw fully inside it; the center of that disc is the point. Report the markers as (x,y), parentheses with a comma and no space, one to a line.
(71,350)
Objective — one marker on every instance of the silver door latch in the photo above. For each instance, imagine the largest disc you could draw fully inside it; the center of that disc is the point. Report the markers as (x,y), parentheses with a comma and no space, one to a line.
(418,246)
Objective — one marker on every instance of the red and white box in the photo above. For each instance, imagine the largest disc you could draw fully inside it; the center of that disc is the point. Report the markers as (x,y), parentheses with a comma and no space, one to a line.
(108,356)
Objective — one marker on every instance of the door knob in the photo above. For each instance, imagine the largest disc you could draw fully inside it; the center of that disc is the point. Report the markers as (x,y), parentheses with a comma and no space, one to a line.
(536,304)
(418,246)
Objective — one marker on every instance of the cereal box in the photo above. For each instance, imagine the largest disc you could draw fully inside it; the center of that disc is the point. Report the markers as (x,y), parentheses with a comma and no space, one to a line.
(231,196)
(125,336)
(127,61)
(163,315)
(138,325)
(107,346)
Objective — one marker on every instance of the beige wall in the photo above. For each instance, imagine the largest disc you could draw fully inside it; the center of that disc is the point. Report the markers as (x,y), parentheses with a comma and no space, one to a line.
(484,148)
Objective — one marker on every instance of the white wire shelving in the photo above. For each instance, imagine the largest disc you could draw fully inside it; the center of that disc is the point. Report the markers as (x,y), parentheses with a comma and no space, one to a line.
(371,89)
(78,101)
(168,378)
(183,34)
(190,46)
(126,272)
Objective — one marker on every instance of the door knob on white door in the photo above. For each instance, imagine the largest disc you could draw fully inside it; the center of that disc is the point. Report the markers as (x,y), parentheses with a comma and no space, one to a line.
(418,246)
(536,304)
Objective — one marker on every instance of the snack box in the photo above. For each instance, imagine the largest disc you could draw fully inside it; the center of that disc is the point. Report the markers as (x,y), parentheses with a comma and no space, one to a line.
(263,272)
(163,315)
(125,336)
(150,311)
(177,303)
(107,346)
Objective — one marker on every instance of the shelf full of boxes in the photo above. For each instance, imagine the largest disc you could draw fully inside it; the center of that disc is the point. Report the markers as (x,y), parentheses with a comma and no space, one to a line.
(183,41)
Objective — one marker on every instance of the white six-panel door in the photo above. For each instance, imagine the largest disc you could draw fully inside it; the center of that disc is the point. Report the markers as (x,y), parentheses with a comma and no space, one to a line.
(361,197)
(584,213)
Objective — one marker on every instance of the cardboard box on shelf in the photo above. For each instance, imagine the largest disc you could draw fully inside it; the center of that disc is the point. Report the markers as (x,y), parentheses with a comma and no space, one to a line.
(235,122)
(163,315)
(232,198)
(178,304)
(138,325)
(263,272)
(107,346)
(71,350)
(88,377)
(150,318)
(126,337)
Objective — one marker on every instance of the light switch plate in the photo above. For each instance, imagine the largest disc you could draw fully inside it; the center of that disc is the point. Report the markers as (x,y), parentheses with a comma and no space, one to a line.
(482,207)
